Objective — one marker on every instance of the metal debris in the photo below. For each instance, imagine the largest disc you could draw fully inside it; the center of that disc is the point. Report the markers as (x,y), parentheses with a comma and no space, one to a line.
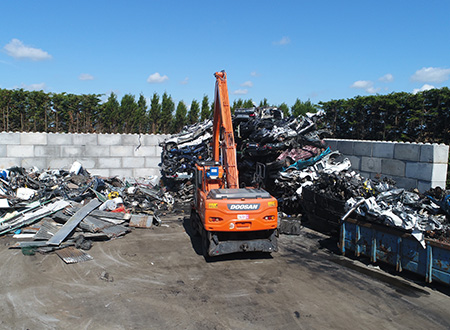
(141,221)
(44,209)
(73,222)
(71,255)
(289,158)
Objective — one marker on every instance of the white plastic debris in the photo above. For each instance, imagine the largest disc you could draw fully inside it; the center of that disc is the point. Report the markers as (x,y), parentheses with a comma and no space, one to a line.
(25,193)
(76,168)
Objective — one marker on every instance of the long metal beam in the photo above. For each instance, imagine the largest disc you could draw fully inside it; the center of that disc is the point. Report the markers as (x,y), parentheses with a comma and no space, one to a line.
(73,222)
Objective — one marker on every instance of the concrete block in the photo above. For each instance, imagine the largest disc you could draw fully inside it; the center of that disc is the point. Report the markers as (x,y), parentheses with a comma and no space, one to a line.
(423,186)
(110,139)
(152,162)
(85,139)
(345,147)
(100,172)
(439,172)
(383,149)
(407,151)
(145,172)
(60,163)
(2,150)
(146,151)
(97,151)
(407,183)
(393,167)
(420,171)
(121,151)
(121,172)
(109,162)
(437,153)
(372,165)
(87,163)
(362,148)
(440,184)
(332,143)
(59,139)
(7,138)
(356,162)
(154,140)
(40,163)
(132,139)
(73,151)
(133,162)
(19,151)
(8,162)
(47,151)
(33,138)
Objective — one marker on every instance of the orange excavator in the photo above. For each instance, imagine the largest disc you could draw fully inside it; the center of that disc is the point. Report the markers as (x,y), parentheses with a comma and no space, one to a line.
(230,219)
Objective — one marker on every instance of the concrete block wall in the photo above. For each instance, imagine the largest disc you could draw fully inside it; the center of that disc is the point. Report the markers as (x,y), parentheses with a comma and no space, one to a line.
(411,165)
(124,155)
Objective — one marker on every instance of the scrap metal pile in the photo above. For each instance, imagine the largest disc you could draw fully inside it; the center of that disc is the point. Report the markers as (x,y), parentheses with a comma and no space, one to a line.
(65,211)
(288,156)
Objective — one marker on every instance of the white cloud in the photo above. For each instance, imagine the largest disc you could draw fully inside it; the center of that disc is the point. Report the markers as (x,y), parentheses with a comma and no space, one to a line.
(254,74)
(363,84)
(248,83)
(18,50)
(185,81)
(156,78)
(35,87)
(283,41)
(86,76)
(436,75)
(425,87)
(387,78)
(367,85)
(240,92)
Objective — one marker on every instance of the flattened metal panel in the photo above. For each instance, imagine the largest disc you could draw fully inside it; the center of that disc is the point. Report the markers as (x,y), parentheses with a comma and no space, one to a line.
(141,221)
(115,231)
(47,230)
(71,255)
(73,222)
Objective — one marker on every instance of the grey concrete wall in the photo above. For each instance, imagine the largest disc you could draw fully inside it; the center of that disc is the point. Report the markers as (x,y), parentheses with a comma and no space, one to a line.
(411,165)
(124,155)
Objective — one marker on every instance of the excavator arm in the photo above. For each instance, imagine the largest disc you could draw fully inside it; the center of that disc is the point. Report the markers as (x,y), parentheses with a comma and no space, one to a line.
(223,136)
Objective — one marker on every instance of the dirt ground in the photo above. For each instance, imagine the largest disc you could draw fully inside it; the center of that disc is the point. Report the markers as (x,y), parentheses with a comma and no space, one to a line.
(157,279)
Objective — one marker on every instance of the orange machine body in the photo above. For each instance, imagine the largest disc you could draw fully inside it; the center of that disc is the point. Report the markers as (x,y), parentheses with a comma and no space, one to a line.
(230,219)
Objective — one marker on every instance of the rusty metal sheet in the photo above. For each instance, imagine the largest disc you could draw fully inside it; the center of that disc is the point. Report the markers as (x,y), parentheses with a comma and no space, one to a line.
(93,224)
(115,231)
(71,255)
(141,221)
(48,230)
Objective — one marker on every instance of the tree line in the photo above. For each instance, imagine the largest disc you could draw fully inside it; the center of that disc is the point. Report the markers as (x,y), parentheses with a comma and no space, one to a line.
(38,111)
(420,117)
(407,117)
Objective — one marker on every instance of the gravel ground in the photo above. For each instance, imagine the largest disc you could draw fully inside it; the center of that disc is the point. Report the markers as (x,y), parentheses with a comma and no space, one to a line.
(157,279)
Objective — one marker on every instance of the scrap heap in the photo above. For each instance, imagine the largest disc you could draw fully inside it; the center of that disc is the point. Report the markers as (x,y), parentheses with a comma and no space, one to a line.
(289,158)
(64,211)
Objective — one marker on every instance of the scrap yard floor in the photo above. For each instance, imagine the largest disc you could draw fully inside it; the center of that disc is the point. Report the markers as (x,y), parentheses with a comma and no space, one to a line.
(157,279)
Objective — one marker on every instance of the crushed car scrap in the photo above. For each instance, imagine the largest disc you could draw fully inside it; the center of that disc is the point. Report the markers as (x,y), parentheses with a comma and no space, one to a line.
(290,159)
(67,210)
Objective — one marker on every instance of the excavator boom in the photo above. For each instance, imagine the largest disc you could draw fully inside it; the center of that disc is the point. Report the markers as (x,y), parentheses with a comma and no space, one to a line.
(223,136)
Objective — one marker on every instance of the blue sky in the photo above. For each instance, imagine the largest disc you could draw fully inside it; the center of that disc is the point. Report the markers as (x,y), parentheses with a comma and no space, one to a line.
(279,50)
